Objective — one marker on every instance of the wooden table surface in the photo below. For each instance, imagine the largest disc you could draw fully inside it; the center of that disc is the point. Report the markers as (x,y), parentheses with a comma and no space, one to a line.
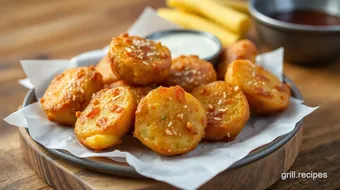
(47,29)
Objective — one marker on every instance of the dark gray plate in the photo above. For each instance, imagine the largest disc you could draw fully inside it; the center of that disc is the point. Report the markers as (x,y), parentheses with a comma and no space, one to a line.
(128,171)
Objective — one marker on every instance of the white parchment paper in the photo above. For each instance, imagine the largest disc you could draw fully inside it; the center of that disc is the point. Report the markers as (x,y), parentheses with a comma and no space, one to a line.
(188,171)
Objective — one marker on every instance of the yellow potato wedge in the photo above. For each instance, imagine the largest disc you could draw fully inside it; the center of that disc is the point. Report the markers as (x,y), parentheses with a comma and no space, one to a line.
(235,21)
(191,21)
(227,110)
(238,5)
(70,92)
(170,121)
(265,93)
(106,119)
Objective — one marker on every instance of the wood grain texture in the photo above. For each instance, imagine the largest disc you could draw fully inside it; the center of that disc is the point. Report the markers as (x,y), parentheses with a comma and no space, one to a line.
(48,29)
(59,174)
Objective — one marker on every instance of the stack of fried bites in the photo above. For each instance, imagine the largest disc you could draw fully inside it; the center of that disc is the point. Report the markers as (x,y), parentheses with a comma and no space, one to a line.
(170,105)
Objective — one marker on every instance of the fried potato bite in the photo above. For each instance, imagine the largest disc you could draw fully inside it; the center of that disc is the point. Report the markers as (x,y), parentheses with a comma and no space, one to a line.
(265,93)
(189,72)
(138,92)
(170,121)
(69,92)
(139,61)
(103,67)
(106,119)
(243,49)
(227,110)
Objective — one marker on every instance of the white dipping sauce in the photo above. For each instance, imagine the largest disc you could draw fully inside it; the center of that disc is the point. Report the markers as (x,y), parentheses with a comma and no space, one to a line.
(189,44)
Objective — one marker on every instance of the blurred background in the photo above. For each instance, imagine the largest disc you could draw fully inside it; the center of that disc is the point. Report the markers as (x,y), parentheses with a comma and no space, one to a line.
(49,29)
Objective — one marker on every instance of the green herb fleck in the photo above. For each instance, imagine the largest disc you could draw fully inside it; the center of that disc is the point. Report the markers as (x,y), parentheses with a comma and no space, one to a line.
(163,118)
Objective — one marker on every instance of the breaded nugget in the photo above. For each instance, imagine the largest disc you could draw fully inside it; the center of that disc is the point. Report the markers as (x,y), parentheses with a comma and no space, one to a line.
(170,121)
(139,61)
(138,92)
(69,92)
(103,67)
(227,110)
(265,93)
(106,119)
(189,72)
(243,49)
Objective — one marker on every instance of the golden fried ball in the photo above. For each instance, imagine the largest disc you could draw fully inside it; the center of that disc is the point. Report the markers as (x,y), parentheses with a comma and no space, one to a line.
(138,92)
(106,119)
(139,61)
(189,72)
(243,49)
(265,93)
(227,110)
(69,92)
(170,121)
(103,67)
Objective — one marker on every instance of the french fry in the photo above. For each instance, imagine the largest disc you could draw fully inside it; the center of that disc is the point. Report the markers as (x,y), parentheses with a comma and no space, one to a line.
(192,21)
(238,5)
(233,20)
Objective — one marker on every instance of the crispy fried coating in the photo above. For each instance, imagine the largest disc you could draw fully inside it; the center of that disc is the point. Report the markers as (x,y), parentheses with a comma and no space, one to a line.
(189,72)
(265,93)
(106,119)
(138,92)
(139,61)
(227,110)
(103,67)
(170,121)
(69,92)
(243,49)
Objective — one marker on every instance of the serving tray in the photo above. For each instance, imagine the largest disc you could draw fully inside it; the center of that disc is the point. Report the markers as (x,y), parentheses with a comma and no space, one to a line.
(273,158)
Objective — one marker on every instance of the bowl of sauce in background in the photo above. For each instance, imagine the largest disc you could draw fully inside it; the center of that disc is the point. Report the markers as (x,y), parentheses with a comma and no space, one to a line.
(190,42)
(309,30)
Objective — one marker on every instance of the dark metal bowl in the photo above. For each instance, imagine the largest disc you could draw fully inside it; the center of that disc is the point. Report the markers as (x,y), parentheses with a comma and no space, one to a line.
(128,171)
(214,59)
(302,43)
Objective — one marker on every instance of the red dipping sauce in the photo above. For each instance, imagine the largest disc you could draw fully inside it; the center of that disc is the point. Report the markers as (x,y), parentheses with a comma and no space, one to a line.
(307,17)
